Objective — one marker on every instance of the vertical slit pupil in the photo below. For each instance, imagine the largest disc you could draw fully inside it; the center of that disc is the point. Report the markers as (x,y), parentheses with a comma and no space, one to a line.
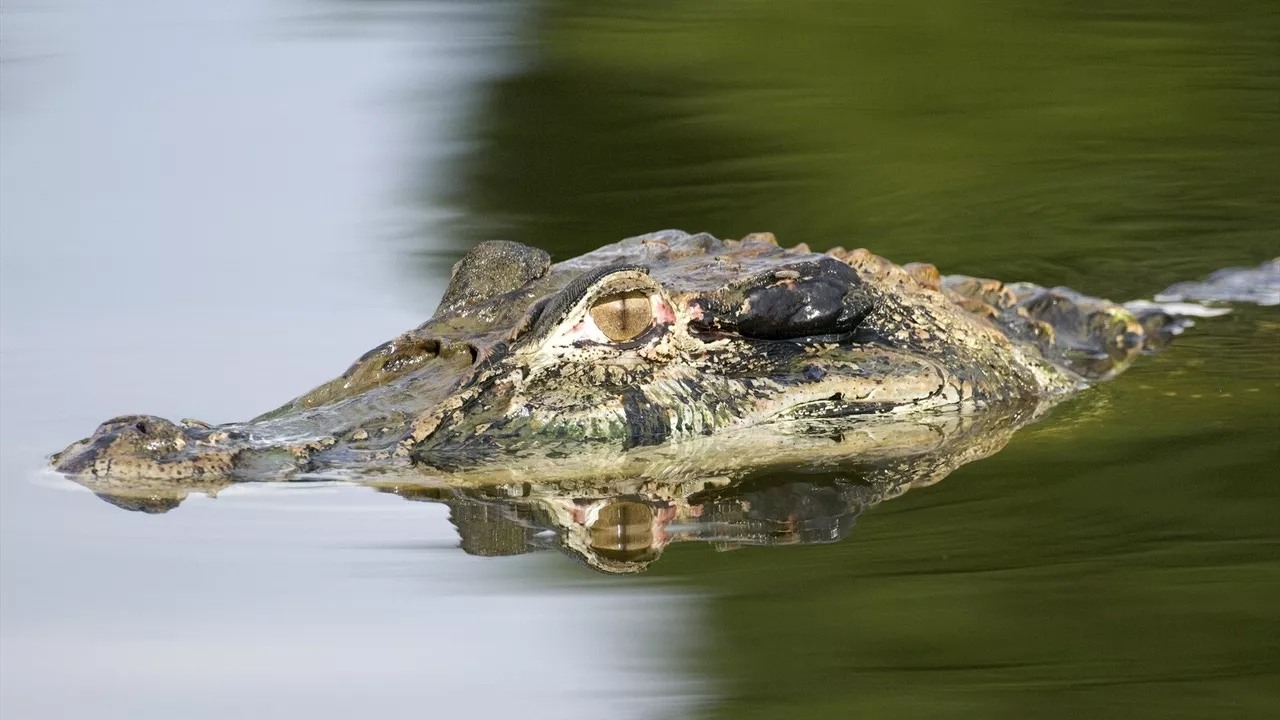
(623,316)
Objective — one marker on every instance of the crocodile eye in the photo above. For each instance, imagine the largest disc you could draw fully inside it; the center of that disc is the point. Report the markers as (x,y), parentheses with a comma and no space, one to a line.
(623,527)
(623,316)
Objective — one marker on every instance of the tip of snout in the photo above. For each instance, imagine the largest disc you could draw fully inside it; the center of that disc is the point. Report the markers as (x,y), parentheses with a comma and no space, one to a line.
(123,435)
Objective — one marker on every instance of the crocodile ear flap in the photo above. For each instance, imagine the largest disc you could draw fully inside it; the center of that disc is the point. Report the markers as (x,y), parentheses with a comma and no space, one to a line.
(489,269)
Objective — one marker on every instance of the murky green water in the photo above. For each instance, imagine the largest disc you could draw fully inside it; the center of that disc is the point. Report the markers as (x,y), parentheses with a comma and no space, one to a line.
(1120,558)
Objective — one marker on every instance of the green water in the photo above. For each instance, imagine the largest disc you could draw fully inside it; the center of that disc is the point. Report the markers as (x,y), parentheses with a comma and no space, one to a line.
(1119,559)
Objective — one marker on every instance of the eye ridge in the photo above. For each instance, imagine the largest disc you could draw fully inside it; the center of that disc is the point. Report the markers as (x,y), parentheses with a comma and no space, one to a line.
(623,316)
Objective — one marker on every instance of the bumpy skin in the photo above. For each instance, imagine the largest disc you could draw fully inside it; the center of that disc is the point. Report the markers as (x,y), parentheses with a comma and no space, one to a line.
(513,378)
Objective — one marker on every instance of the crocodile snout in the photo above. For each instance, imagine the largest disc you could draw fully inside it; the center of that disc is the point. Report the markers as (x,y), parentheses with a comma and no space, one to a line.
(136,442)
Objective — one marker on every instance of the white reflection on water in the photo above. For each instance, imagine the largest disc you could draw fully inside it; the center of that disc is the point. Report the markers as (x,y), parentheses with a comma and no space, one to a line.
(195,208)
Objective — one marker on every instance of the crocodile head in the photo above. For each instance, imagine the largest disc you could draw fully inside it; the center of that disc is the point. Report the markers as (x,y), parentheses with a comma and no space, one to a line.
(664,340)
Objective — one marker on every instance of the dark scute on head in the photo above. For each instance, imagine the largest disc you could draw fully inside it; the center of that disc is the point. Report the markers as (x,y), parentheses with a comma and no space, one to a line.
(812,299)
(783,311)
(492,268)
(554,311)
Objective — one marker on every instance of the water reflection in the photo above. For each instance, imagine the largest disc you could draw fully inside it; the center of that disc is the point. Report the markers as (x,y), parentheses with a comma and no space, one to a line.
(818,478)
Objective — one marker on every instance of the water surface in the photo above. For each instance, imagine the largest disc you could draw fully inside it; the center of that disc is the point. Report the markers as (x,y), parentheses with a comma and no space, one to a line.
(206,210)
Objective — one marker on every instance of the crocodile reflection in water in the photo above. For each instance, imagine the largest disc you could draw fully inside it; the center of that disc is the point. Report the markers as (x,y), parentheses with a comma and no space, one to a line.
(622,527)
(667,357)
(822,477)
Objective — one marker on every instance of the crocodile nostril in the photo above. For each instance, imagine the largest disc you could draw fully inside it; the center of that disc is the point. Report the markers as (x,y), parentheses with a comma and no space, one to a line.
(141,427)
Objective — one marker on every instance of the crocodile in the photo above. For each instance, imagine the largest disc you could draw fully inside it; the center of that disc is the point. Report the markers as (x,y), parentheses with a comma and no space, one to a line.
(667,340)
(662,340)
(661,378)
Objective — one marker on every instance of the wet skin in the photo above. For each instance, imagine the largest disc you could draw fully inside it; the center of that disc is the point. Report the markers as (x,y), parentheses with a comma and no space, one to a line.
(630,357)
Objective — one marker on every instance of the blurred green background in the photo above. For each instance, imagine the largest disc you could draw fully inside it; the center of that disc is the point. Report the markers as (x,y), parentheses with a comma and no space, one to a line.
(1122,558)
(1118,146)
